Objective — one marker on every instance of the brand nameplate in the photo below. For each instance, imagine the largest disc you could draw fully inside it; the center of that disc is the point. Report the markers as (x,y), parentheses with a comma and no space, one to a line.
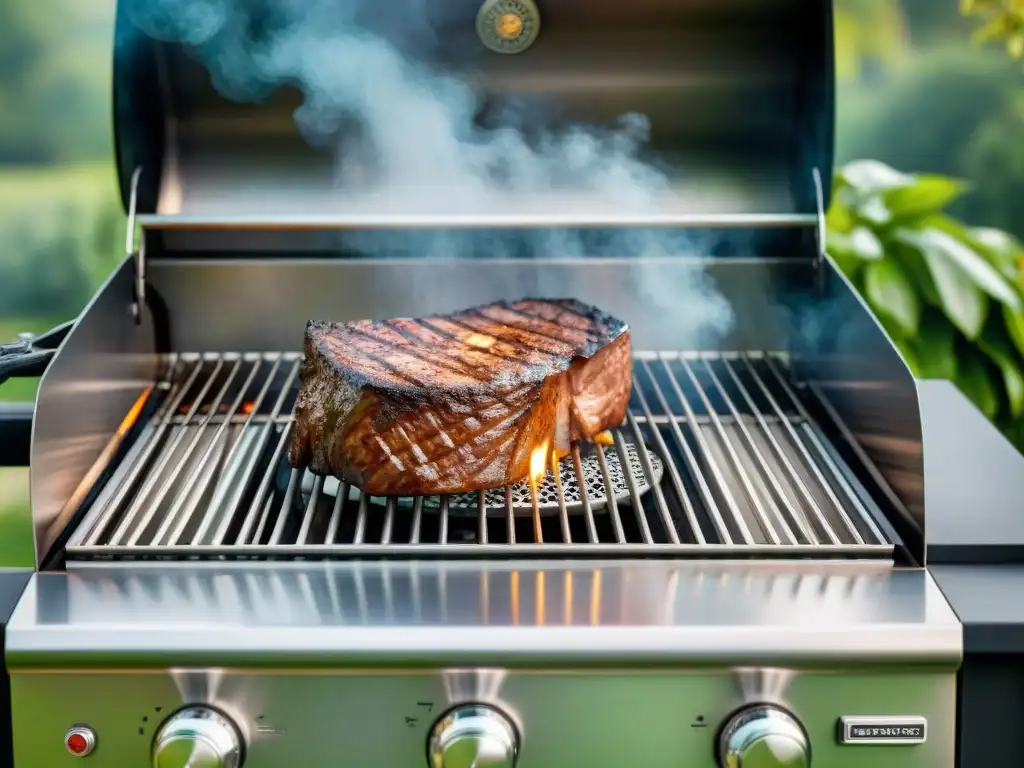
(882,730)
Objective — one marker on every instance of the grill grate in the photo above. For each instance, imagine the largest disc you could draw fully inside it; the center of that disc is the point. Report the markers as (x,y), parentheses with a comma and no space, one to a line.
(721,460)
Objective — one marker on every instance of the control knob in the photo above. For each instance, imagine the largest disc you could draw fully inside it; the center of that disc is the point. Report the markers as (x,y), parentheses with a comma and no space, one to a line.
(197,737)
(763,737)
(473,736)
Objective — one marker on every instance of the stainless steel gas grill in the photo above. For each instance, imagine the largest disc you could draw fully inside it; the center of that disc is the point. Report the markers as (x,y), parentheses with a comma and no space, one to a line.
(738,579)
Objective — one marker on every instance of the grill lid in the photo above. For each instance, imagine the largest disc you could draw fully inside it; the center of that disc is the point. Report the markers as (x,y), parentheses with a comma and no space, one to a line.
(315,113)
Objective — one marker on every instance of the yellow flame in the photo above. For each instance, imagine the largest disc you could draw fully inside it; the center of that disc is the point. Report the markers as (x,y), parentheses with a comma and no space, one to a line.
(604,438)
(556,456)
(538,460)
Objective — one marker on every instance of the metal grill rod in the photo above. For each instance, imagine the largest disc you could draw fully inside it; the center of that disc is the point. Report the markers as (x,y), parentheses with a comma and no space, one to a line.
(172,515)
(780,454)
(155,474)
(803,450)
(261,444)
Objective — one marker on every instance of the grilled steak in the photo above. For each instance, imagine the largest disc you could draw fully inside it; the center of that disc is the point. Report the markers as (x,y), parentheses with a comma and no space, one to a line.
(457,402)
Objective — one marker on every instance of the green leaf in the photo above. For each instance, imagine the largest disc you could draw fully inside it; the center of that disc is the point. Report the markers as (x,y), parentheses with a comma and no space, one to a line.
(997,349)
(1001,249)
(979,271)
(928,194)
(914,266)
(873,210)
(935,346)
(891,294)
(907,352)
(871,177)
(964,303)
(1014,322)
(973,380)
(840,249)
(839,219)
(861,245)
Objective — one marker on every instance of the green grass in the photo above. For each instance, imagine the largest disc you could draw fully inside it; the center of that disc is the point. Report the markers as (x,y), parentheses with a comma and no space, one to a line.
(15,513)
(15,518)
(31,185)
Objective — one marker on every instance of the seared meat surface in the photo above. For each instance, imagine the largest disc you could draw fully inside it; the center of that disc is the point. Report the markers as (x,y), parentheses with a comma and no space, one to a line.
(455,403)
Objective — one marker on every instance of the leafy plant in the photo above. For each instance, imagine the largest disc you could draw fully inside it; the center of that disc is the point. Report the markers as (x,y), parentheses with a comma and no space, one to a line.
(1003,21)
(950,296)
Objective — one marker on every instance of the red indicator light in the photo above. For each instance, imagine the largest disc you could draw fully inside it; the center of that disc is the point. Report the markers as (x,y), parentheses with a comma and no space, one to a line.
(80,741)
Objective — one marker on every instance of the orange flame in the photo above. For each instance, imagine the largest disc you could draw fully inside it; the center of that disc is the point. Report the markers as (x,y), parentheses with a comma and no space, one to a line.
(604,438)
(538,463)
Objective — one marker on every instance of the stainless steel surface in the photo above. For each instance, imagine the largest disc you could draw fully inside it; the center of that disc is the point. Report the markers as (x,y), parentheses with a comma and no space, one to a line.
(597,663)
(993,530)
(197,737)
(763,736)
(845,357)
(506,613)
(664,717)
(251,304)
(80,734)
(88,398)
(737,94)
(473,736)
(592,214)
(745,472)
(872,730)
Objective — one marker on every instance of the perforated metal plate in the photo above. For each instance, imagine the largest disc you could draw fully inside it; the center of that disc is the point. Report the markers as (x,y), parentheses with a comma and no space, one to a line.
(467,504)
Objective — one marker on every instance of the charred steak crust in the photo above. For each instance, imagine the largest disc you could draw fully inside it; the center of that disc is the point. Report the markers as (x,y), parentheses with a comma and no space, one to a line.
(457,402)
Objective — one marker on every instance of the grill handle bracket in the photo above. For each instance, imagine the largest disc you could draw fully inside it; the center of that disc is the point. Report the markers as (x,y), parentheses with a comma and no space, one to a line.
(136,253)
(29,355)
(822,225)
(820,235)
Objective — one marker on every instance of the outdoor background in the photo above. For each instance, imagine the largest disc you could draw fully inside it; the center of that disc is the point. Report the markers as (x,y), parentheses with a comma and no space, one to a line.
(915,93)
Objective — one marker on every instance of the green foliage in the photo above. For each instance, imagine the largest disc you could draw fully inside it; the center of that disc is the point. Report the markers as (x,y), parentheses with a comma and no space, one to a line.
(56,241)
(1001,21)
(950,296)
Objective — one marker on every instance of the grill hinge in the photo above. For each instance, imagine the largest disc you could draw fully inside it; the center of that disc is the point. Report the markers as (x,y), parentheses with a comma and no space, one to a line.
(137,253)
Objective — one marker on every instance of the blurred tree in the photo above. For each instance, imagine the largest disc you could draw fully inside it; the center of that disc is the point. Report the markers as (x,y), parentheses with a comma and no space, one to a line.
(1002,21)
(870,37)
(54,70)
(26,35)
(929,21)
(953,111)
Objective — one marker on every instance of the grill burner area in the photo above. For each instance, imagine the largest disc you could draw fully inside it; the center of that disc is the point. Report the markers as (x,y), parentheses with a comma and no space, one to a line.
(733,467)
(594,474)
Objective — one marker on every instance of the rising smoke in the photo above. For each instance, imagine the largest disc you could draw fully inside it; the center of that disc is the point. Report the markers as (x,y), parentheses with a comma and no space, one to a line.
(413,141)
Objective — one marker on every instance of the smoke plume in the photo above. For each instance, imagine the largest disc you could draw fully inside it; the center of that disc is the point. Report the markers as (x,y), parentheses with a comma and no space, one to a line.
(407,137)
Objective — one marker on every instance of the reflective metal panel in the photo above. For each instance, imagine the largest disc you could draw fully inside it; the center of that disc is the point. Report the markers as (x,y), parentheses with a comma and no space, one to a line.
(89,398)
(485,613)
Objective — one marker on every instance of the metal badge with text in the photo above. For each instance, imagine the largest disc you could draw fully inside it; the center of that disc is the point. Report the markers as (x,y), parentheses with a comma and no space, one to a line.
(889,729)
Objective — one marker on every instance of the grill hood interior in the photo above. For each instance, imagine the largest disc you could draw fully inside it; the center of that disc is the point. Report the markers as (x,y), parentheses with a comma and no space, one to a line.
(738,95)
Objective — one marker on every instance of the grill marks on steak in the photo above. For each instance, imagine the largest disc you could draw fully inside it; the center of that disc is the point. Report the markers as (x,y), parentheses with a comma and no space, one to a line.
(457,402)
